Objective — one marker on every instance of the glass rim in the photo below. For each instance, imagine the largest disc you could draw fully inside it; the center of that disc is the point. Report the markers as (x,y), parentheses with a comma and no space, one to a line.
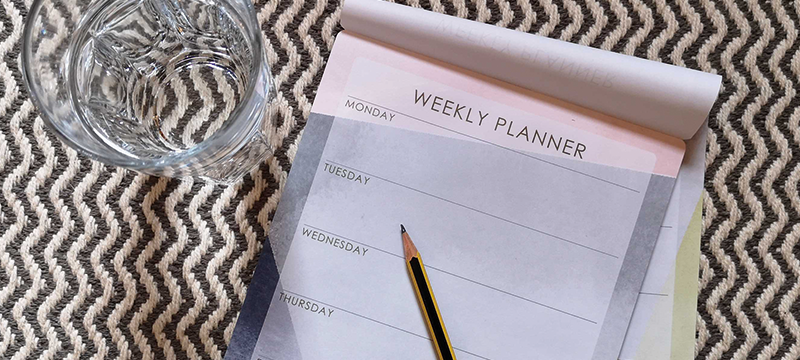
(225,136)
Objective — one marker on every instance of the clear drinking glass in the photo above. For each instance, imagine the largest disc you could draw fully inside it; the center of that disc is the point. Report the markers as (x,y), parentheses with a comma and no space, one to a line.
(165,87)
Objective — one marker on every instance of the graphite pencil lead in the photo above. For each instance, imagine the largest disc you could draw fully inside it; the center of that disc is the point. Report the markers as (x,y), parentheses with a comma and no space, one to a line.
(402,229)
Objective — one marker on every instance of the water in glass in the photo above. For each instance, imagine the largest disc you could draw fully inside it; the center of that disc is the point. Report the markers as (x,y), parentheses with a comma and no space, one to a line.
(155,82)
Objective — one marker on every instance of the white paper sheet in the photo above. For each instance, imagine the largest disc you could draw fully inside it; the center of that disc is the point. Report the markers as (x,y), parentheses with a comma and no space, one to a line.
(658,96)
(517,243)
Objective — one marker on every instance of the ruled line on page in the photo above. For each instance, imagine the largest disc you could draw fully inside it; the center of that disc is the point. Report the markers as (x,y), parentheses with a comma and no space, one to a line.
(432,267)
(378,321)
(499,146)
(496,217)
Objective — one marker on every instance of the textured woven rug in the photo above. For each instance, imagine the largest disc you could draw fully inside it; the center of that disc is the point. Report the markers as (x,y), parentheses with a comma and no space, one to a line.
(98,262)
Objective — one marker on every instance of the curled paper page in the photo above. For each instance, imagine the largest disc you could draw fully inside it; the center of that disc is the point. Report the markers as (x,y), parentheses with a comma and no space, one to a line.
(662,97)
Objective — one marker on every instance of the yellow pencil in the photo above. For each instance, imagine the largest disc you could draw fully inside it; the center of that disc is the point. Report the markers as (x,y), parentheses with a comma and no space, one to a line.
(430,310)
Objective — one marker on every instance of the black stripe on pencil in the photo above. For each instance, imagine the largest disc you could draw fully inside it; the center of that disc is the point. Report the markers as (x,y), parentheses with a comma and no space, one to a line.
(427,301)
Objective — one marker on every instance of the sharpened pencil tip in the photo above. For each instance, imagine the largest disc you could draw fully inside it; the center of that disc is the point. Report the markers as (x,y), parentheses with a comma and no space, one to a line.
(409,250)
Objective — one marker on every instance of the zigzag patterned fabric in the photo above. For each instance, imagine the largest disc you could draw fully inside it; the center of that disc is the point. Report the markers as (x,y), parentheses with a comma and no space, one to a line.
(98,262)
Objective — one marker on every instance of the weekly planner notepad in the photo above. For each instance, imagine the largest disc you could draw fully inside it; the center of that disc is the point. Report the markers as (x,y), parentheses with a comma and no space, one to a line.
(537,222)
(538,218)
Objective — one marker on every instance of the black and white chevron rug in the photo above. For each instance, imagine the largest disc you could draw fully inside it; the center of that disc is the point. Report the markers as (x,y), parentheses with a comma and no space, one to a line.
(99,262)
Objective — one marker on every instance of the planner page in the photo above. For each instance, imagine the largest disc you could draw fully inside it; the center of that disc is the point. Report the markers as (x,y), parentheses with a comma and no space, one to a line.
(536,219)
